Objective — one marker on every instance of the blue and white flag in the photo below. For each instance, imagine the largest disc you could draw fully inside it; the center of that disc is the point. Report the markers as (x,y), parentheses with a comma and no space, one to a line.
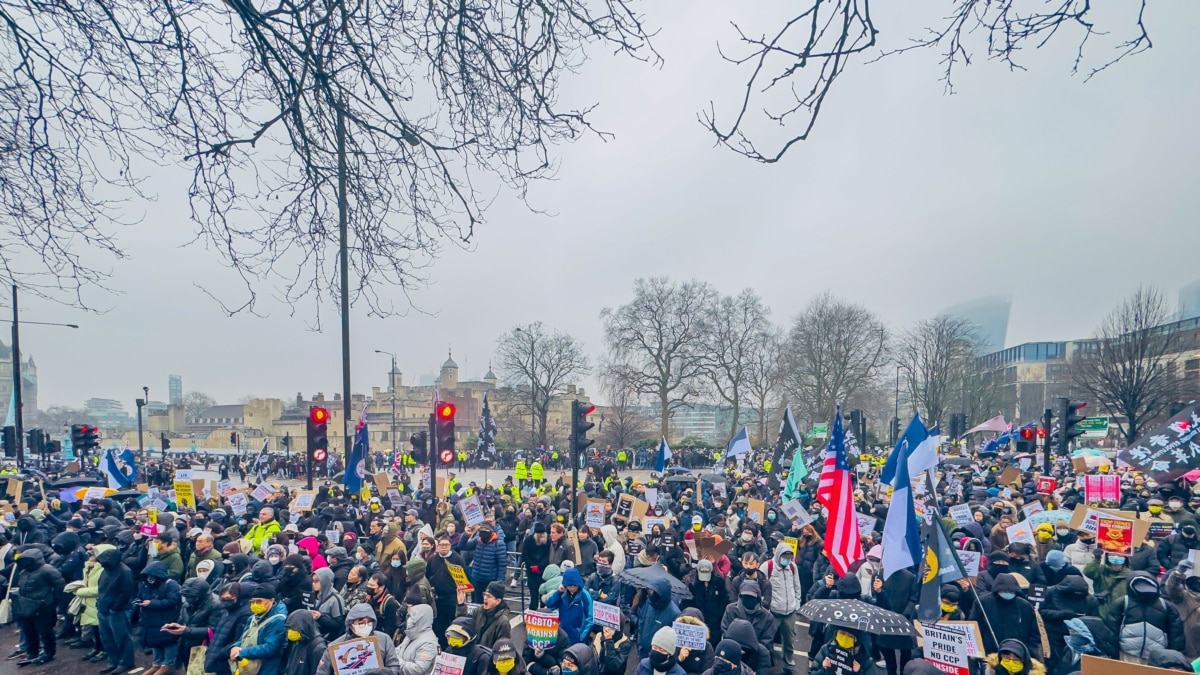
(738,445)
(901,531)
(664,454)
(113,472)
(130,462)
(925,458)
(356,469)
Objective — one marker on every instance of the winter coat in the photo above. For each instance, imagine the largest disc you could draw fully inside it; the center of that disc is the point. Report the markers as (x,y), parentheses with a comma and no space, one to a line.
(420,646)
(272,638)
(1108,585)
(786,597)
(760,617)
(165,601)
(1175,547)
(759,577)
(390,544)
(303,657)
(414,571)
(535,556)
(201,613)
(551,580)
(710,597)
(756,656)
(1032,666)
(654,615)
(116,586)
(607,589)
(227,634)
(91,587)
(40,584)
(493,624)
(313,548)
(574,611)
(644,668)
(1067,600)
(490,560)
(611,655)
(1187,603)
(866,665)
(612,542)
(71,556)
(585,658)
(330,604)
(550,658)
(1143,620)
(1008,618)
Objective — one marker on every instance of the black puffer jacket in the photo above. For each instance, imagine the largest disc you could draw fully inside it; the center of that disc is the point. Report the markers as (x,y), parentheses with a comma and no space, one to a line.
(1068,600)
(164,604)
(1144,604)
(116,588)
(1175,548)
(201,613)
(40,584)
(1009,619)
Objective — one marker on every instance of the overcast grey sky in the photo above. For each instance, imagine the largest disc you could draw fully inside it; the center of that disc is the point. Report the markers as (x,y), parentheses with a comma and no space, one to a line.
(1030,184)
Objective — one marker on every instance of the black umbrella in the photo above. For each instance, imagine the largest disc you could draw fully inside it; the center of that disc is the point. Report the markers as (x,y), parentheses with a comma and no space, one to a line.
(677,470)
(337,478)
(681,479)
(640,577)
(957,461)
(857,615)
(74,481)
(126,494)
(713,478)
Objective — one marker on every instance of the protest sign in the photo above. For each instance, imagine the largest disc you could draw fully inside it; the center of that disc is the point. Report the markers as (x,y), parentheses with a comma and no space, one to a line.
(970,561)
(1115,535)
(708,548)
(1037,593)
(93,493)
(1079,465)
(796,513)
(605,614)
(459,575)
(1098,665)
(382,482)
(261,492)
(472,510)
(393,496)
(1009,476)
(948,645)
(961,513)
(1021,532)
(225,487)
(541,630)
(756,510)
(14,488)
(629,508)
(237,503)
(1101,488)
(183,474)
(1170,450)
(1051,517)
(866,524)
(794,543)
(593,513)
(1159,530)
(183,494)
(651,495)
(649,522)
(1032,508)
(355,657)
(841,660)
(691,636)
(304,500)
(1047,484)
(449,664)
(1088,520)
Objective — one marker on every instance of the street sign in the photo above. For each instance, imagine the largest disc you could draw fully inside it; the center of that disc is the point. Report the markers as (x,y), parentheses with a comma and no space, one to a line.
(1094,427)
(820,431)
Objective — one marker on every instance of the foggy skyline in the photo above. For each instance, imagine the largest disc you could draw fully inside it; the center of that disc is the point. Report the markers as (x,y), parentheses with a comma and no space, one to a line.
(1062,194)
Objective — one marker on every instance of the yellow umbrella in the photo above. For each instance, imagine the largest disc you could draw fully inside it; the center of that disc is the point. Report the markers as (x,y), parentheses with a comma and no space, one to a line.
(108,492)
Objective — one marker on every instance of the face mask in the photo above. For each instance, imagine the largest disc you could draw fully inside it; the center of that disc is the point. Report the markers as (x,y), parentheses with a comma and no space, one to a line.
(274,560)
(1155,509)
(1012,665)
(1007,595)
(397,563)
(570,669)
(363,630)
(771,517)
(662,662)
(444,555)
(1175,504)
(604,570)
(844,641)
(785,563)
(747,537)
(722,666)
(1062,532)
(505,665)
(696,527)
(1116,560)
(455,641)
(750,602)
(228,603)
(1044,536)
(293,635)
(949,609)
(259,607)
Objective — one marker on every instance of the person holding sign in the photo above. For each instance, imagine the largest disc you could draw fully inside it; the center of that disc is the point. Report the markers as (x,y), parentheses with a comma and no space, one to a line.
(574,605)
(663,655)
(460,637)
(612,651)
(360,627)
(842,655)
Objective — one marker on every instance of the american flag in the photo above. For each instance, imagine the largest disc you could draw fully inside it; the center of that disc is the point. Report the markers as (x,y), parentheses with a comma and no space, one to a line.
(835,493)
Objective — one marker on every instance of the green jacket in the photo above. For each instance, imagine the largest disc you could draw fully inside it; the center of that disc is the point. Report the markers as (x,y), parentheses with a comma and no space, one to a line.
(1108,585)
(260,535)
(91,588)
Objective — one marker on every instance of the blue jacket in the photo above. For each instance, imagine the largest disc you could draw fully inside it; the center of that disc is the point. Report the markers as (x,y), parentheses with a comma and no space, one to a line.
(653,616)
(574,612)
(644,668)
(272,638)
(489,561)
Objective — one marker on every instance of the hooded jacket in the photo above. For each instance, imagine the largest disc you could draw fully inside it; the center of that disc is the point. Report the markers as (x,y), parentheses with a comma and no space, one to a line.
(303,657)
(759,617)
(386,646)
(583,655)
(479,657)
(116,587)
(1067,600)
(312,547)
(40,584)
(201,613)
(654,614)
(612,542)
(1032,665)
(1187,603)
(1143,619)
(295,588)
(1008,618)
(330,604)
(419,648)
(756,656)
(414,570)
(90,590)
(71,556)
(227,634)
(163,594)
(390,544)
(272,638)
(574,611)
(786,596)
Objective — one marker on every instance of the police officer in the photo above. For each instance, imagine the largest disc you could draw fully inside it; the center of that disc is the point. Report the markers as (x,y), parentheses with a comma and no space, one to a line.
(521,473)
(537,474)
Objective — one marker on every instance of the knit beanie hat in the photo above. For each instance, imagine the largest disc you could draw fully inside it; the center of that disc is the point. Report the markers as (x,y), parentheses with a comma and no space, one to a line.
(666,639)
(496,590)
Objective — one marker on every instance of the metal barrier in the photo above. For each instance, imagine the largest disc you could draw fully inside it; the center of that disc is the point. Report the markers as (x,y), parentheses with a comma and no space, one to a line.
(515,576)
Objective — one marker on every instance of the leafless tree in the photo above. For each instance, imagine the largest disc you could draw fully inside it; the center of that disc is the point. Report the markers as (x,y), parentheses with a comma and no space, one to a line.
(938,355)
(437,105)
(622,423)
(764,379)
(655,341)
(833,349)
(1126,368)
(195,403)
(546,362)
(793,65)
(737,329)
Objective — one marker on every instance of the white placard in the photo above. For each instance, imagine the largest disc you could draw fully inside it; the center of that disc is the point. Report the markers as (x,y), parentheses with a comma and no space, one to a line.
(261,492)
(593,514)
(225,487)
(948,646)
(1021,532)
(183,474)
(355,657)
(651,496)
(1032,508)
(448,664)
(691,636)
(961,513)
(471,509)
(606,615)
(237,503)
(866,524)
(393,496)
(796,513)
(970,561)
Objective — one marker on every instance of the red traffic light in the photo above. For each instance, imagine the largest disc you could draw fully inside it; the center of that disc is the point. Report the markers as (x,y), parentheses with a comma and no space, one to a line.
(446,456)
(445,411)
(1026,434)
(589,410)
(319,415)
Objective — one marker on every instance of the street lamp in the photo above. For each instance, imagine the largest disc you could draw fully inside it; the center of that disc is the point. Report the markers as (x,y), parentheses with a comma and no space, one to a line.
(392,389)
(141,403)
(532,391)
(18,421)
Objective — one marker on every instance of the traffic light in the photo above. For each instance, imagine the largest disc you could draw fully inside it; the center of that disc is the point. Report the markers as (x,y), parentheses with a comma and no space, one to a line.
(166,442)
(318,434)
(580,426)
(894,432)
(77,441)
(420,444)
(1025,440)
(856,423)
(1069,415)
(443,414)
(37,441)
(10,441)
(233,438)
(286,442)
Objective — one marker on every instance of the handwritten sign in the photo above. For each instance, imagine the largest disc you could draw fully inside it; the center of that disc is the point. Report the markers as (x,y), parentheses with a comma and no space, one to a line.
(1021,532)
(237,503)
(459,575)
(691,636)
(606,615)
(183,494)
(304,500)
(449,664)
(261,492)
(225,487)
(961,513)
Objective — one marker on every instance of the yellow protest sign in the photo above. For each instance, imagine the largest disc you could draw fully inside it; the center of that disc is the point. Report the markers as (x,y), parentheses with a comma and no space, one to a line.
(794,543)
(460,577)
(183,494)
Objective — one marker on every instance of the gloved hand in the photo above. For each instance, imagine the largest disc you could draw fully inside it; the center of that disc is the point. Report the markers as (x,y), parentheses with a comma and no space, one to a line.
(1184,566)
(1098,553)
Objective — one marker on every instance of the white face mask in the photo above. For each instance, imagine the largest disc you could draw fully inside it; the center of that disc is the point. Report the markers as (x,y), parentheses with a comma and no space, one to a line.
(363,630)
(274,560)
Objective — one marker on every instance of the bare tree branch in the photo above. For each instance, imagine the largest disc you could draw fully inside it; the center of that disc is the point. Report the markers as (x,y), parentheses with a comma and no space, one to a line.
(939,355)
(529,356)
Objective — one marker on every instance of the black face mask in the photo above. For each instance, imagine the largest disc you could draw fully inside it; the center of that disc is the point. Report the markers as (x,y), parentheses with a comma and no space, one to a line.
(723,666)
(662,662)
(750,602)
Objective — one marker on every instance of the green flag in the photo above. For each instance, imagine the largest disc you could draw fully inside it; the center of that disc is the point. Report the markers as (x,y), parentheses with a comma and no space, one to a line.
(790,439)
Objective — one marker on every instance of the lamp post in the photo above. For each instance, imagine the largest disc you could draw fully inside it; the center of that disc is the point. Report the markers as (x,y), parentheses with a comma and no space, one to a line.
(18,422)
(392,390)
(532,391)
(141,403)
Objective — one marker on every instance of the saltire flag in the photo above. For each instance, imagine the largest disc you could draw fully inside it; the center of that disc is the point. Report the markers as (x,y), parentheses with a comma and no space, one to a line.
(836,493)
(487,430)
(356,467)
(940,566)
(664,454)
(790,437)
(901,532)
(262,462)
(111,468)
(738,445)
